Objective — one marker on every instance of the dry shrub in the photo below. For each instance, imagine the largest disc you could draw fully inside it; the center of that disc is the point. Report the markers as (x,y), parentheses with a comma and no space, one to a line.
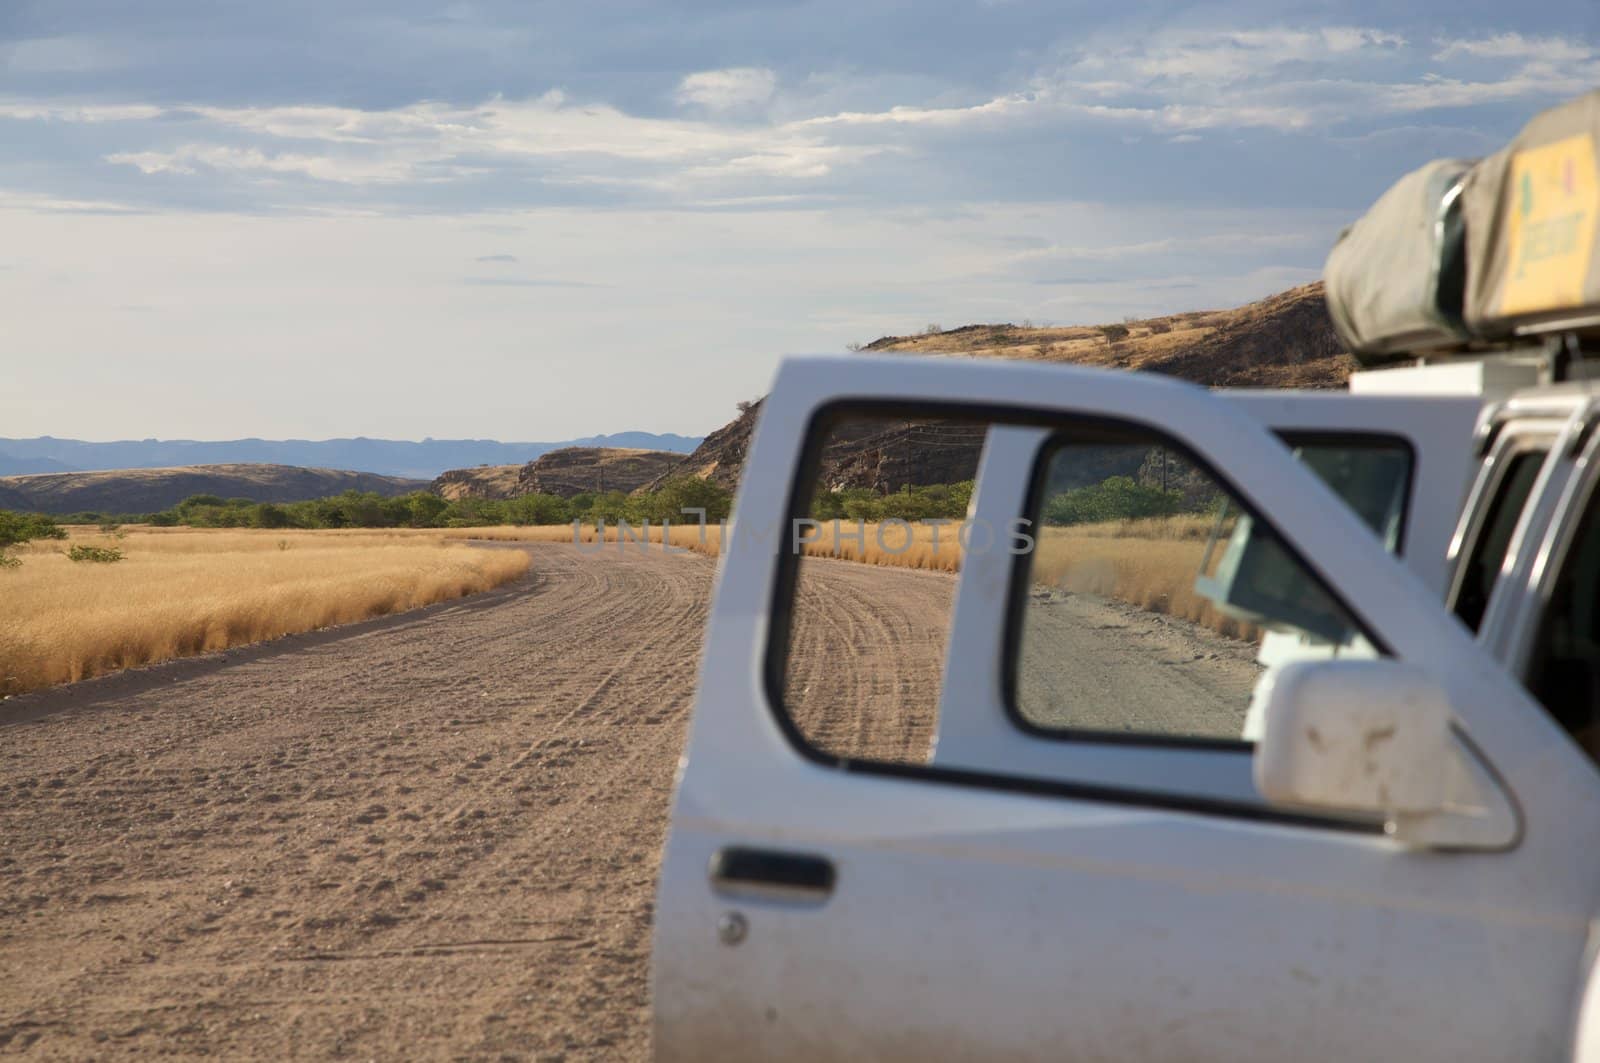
(183,591)
(1155,571)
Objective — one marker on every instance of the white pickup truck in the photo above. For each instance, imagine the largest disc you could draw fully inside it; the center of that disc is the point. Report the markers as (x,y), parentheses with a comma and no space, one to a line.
(1369,837)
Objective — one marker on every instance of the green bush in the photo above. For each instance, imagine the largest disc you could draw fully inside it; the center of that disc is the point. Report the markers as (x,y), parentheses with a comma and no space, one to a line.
(19,528)
(423,509)
(1117,498)
(927,502)
(269,515)
(537,509)
(103,555)
(667,503)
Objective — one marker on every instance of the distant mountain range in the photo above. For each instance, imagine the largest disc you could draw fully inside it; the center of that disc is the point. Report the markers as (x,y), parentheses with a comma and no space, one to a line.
(391,457)
(134,491)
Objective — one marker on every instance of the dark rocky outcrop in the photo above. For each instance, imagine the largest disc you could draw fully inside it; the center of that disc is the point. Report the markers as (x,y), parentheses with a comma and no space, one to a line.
(576,470)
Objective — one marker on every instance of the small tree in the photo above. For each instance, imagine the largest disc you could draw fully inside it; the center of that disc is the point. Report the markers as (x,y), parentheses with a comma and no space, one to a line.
(686,492)
(425,508)
(538,508)
(19,528)
(1116,498)
(269,515)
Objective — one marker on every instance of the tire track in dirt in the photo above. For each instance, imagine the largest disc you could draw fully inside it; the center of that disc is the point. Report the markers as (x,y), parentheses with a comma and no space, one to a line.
(866,658)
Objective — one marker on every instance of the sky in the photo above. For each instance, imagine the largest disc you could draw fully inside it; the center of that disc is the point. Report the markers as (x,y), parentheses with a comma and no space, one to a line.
(526,220)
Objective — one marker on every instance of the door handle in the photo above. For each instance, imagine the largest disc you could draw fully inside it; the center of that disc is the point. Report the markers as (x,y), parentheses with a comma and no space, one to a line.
(770,873)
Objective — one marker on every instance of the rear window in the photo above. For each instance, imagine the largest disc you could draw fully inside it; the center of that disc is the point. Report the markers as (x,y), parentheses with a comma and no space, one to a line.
(1371,473)
(1565,675)
(1481,569)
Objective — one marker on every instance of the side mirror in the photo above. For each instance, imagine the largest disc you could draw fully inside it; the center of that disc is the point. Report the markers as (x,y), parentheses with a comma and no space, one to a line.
(1378,738)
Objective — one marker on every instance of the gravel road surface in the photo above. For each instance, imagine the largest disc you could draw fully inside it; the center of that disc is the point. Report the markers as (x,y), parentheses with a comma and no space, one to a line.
(431,835)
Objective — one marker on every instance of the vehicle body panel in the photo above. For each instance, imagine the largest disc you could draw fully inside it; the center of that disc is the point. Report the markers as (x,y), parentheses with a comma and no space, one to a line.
(976,914)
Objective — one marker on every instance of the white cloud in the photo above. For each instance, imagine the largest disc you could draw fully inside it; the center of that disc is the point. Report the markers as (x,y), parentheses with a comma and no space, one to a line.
(734,88)
(1296,80)
(928,116)
(432,142)
(1516,46)
(77,113)
(191,159)
(1175,84)
(1222,57)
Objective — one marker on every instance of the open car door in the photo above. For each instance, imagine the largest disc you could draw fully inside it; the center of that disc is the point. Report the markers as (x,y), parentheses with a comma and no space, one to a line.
(1066,844)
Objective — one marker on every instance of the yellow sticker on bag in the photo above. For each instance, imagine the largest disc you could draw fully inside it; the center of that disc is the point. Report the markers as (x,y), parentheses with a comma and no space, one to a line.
(1551,212)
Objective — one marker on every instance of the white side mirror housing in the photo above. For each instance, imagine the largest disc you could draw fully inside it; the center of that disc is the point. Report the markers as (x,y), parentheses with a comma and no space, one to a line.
(1378,738)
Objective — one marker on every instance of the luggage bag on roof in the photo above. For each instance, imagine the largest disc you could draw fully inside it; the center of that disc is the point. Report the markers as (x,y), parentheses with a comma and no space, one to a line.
(1394,278)
(1531,212)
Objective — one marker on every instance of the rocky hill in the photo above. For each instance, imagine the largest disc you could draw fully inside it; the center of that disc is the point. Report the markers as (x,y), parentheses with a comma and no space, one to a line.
(483,481)
(1284,340)
(13,500)
(127,491)
(574,470)
(565,472)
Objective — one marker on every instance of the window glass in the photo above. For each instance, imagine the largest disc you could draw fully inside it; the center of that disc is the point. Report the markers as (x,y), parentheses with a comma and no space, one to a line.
(1482,566)
(1151,596)
(1372,475)
(1565,674)
(879,540)
(1150,601)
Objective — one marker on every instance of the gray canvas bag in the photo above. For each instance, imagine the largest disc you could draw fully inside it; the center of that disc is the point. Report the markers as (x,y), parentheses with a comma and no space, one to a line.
(1394,278)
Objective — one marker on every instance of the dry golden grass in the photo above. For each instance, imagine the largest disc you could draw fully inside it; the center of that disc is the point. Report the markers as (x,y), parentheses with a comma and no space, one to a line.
(1150,563)
(919,553)
(184,591)
(1155,572)
(686,537)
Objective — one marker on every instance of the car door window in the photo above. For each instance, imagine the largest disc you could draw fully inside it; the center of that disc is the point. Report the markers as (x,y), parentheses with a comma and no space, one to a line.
(1371,473)
(1145,588)
(1565,671)
(1148,598)
(1481,569)
(876,542)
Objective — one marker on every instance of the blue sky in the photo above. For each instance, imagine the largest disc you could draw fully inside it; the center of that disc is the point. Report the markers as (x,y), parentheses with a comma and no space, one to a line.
(529,220)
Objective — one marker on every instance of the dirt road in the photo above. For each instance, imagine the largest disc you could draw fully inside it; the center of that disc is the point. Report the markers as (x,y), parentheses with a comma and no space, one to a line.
(434,835)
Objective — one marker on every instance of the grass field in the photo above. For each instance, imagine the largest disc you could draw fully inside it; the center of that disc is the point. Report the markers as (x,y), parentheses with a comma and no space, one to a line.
(181,591)
(1150,563)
